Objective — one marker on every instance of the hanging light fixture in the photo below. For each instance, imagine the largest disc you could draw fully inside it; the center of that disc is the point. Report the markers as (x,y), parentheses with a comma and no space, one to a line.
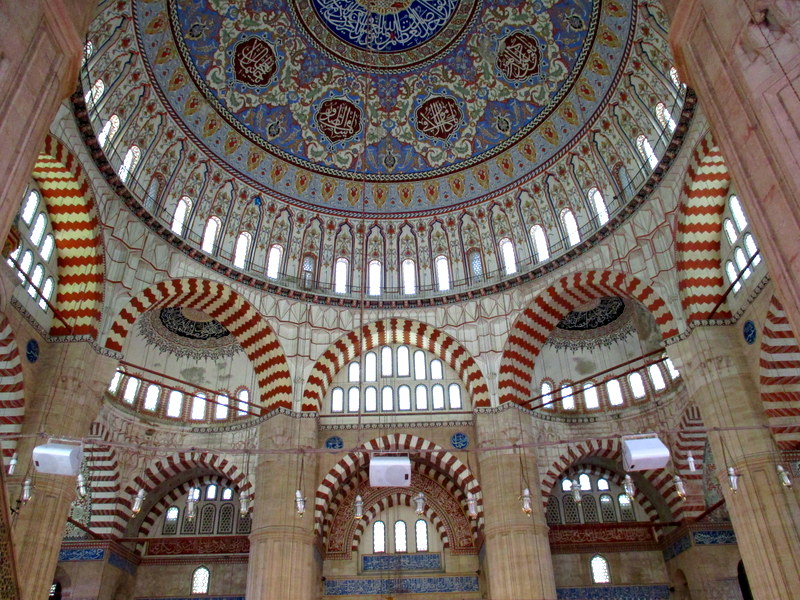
(358,507)
(680,487)
(244,503)
(300,503)
(80,486)
(733,479)
(191,502)
(138,501)
(419,503)
(527,504)
(783,475)
(472,505)
(576,491)
(12,464)
(627,485)
(690,460)
(27,491)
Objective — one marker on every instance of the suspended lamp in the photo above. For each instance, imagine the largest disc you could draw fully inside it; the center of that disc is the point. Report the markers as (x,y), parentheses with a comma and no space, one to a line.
(733,479)
(628,486)
(191,502)
(244,503)
(472,505)
(527,504)
(576,491)
(358,510)
(27,490)
(783,475)
(300,503)
(680,487)
(12,464)
(419,503)
(138,501)
(690,460)
(80,486)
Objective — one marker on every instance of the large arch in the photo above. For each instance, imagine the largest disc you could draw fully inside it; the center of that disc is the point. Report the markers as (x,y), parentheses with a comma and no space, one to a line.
(391,331)
(12,390)
(780,377)
(79,243)
(103,466)
(231,310)
(699,266)
(534,325)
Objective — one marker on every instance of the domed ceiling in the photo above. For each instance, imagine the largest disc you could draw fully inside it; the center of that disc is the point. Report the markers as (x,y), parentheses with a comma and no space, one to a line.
(380,107)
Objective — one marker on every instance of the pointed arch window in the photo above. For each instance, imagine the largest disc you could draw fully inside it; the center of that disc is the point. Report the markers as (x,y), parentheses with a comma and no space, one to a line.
(409,277)
(340,272)
(404,398)
(656,377)
(646,150)
(114,385)
(94,93)
(614,390)
(507,252)
(386,361)
(442,273)
(378,537)
(198,412)
(584,482)
(221,407)
(174,404)
(210,234)
(374,272)
(567,399)
(387,399)
(475,264)
(751,248)
(274,259)
(129,163)
(25,264)
(400,537)
(599,204)
(370,399)
(337,400)
(108,131)
(437,397)
(49,243)
(600,572)
(151,397)
(547,395)
(674,77)
(625,508)
(307,271)
(354,372)
(637,385)
(454,394)
(182,210)
(730,231)
(47,293)
(37,231)
(607,512)
(421,397)
(242,249)
(590,397)
(541,250)
(353,400)
(732,275)
(370,366)
(663,116)
(403,362)
(436,369)
(571,227)
(36,281)
(171,520)
(737,212)
(200,580)
(244,401)
(30,206)
(419,365)
(741,262)
(421,535)
(131,389)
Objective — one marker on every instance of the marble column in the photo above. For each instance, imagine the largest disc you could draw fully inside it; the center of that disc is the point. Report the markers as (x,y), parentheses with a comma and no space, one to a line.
(62,399)
(517,564)
(283,560)
(765,515)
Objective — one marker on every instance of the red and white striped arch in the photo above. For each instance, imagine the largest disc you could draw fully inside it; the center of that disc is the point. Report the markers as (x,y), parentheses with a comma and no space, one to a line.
(534,325)
(164,469)
(79,243)
(699,265)
(430,460)
(12,390)
(231,310)
(691,437)
(394,331)
(106,519)
(780,377)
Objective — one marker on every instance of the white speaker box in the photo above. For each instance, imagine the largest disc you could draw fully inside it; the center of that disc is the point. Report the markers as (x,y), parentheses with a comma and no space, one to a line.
(58,459)
(390,471)
(642,453)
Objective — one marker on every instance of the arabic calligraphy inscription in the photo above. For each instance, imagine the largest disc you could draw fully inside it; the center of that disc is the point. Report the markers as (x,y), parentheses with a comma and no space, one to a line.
(438,117)
(338,119)
(254,62)
(519,57)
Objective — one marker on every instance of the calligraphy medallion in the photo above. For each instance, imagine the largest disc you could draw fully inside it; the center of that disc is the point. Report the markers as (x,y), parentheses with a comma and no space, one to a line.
(438,117)
(338,119)
(519,57)
(254,62)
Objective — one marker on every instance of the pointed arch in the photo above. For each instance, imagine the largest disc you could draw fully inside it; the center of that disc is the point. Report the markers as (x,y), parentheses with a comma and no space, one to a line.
(231,310)
(699,266)
(76,227)
(389,331)
(12,389)
(103,467)
(534,325)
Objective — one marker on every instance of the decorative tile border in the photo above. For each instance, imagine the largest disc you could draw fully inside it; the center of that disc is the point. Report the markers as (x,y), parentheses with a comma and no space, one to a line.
(616,592)
(714,537)
(81,554)
(406,585)
(682,544)
(403,562)
(121,563)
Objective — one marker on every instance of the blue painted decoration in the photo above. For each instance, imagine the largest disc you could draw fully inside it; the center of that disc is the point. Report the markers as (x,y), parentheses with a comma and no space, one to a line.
(32,351)
(460,441)
(334,443)
(749,331)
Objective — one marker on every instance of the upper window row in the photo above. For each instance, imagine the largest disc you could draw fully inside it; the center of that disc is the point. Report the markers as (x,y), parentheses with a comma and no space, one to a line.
(740,247)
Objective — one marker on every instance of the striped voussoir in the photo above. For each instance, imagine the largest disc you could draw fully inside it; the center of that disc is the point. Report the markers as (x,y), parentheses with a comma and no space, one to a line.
(67,194)
(780,377)
(435,463)
(572,461)
(394,331)
(699,265)
(231,310)
(12,389)
(692,438)
(164,469)
(107,520)
(534,325)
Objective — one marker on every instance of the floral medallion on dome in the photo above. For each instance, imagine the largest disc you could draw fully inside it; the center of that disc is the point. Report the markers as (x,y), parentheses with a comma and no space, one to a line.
(338,119)
(253,62)
(188,332)
(519,56)
(438,117)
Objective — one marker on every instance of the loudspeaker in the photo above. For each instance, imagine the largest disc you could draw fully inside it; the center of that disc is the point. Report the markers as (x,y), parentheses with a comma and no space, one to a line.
(390,471)
(641,453)
(58,459)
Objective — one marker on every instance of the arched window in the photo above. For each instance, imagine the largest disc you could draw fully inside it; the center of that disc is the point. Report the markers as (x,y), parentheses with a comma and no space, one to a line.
(547,395)
(442,273)
(741,262)
(221,407)
(210,234)
(114,385)
(386,361)
(242,249)
(541,250)
(589,510)
(171,520)
(26,263)
(182,209)
(437,397)
(566,484)
(419,365)
(475,264)
(552,513)
(507,252)
(614,392)
(663,116)
(436,369)
(599,205)
(421,535)
(94,93)
(585,482)
(129,163)
(607,512)
(151,397)
(153,193)
(590,397)
(227,494)
(211,492)
(370,366)
(174,404)
(400,537)
(131,388)
(36,280)
(646,150)
(47,292)
(571,226)
(108,131)
(673,372)
(387,399)
(656,377)
(200,580)
(749,245)
(46,249)
(353,400)
(625,508)
(409,277)
(673,76)
(600,572)
(454,394)
(370,399)
(567,399)
(307,271)
(88,50)
(602,484)
(637,385)
(353,372)
(340,271)
(37,231)
(378,537)
(244,401)
(274,258)
(732,275)
(403,362)
(374,272)
(730,231)
(404,398)
(421,397)
(198,407)
(737,212)
(30,206)
(337,400)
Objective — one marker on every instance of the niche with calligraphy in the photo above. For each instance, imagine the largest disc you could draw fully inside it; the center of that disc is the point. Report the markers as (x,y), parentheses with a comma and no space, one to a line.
(338,119)
(254,62)
(438,117)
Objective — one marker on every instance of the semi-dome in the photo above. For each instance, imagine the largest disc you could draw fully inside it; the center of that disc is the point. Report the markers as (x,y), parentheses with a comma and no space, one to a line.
(435,146)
